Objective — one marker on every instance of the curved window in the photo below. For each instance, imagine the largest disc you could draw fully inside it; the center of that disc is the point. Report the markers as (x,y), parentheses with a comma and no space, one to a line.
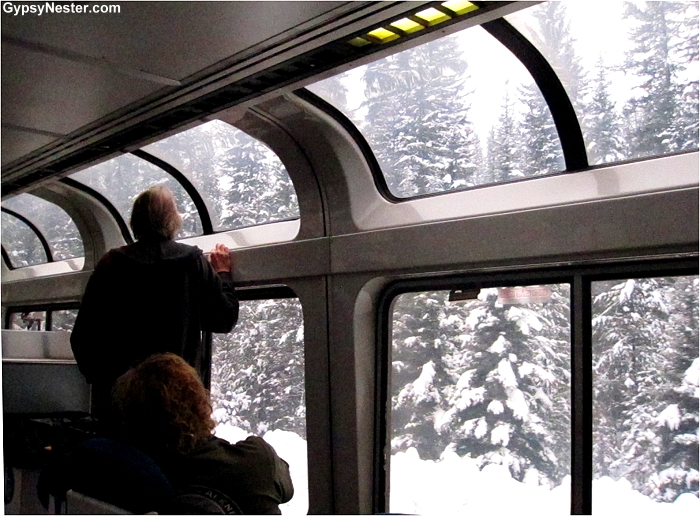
(633,81)
(457,112)
(54,223)
(242,181)
(21,243)
(122,179)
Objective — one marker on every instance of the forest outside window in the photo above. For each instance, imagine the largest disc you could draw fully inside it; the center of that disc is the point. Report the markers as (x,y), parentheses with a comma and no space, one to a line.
(54,224)
(242,181)
(257,385)
(480,402)
(122,179)
(442,116)
(645,394)
(479,395)
(633,81)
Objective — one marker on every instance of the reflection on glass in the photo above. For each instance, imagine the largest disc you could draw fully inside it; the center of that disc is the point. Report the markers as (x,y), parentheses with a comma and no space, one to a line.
(633,81)
(22,245)
(645,394)
(480,402)
(35,321)
(63,320)
(257,385)
(454,113)
(122,179)
(242,181)
(54,223)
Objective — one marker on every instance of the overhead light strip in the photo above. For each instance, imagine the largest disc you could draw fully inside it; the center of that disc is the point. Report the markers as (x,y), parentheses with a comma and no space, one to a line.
(415,22)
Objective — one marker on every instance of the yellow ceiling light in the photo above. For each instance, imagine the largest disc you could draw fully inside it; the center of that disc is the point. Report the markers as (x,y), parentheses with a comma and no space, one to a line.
(406,25)
(432,16)
(359,42)
(460,6)
(383,35)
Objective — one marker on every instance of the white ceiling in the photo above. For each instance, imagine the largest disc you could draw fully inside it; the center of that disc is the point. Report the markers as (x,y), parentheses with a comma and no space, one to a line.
(62,72)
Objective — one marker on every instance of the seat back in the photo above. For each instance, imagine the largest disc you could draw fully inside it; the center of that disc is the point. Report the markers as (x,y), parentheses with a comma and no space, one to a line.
(119,475)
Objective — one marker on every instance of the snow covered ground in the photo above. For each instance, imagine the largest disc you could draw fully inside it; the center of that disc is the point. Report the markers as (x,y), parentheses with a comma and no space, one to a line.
(291,448)
(454,485)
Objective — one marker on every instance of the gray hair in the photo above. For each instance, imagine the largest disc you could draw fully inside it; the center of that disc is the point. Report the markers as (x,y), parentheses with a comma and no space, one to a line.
(155,214)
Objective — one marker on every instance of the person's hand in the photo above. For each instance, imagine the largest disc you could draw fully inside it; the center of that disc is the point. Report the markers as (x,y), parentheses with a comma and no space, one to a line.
(221,259)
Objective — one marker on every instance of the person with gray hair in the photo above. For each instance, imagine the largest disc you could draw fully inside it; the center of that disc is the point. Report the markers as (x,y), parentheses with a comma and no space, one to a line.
(153,296)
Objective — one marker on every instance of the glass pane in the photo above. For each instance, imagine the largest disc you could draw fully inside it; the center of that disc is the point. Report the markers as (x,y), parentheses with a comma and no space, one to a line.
(22,245)
(480,397)
(457,112)
(53,222)
(257,385)
(633,80)
(63,320)
(645,395)
(242,181)
(28,321)
(122,179)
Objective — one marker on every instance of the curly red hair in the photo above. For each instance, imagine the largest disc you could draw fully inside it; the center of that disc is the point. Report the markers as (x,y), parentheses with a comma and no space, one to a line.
(163,404)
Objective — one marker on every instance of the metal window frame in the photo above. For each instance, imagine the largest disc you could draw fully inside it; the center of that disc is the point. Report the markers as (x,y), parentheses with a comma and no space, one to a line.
(48,308)
(580,278)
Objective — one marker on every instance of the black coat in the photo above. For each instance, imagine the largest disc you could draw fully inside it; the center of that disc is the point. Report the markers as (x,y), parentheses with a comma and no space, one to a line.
(146,298)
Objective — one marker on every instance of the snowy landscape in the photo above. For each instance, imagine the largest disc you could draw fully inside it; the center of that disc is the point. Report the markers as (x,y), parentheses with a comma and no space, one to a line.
(479,389)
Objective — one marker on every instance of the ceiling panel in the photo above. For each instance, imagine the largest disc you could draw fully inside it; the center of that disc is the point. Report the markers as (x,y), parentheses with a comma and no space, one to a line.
(169,39)
(59,96)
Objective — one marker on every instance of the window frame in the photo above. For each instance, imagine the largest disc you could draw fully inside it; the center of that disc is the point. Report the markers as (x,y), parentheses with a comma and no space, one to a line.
(580,278)
(48,308)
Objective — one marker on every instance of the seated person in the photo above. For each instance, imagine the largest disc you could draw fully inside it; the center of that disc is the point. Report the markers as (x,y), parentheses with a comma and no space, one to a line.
(165,411)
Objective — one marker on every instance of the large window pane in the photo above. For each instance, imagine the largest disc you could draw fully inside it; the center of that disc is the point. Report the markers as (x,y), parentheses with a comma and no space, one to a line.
(480,397)
(633,80)
(457,112)
(242,181)
(122,179)
(645,388)
(54,223)
(257,385)
(21,243)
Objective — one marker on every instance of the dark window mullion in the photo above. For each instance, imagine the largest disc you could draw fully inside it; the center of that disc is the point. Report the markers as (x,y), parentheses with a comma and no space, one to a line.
(581,396)
(563,114)
(6,258)
(39,234)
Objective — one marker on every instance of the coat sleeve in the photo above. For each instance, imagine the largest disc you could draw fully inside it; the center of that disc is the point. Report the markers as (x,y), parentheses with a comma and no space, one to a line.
(219,300)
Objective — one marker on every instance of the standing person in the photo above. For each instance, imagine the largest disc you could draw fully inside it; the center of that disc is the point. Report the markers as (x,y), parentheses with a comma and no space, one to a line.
(165,411)
(153,296)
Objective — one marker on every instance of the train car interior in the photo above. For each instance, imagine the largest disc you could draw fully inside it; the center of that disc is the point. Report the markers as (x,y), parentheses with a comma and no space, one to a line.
(464,234)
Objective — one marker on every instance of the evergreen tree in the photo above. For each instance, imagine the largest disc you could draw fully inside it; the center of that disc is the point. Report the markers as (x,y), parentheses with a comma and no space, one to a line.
(552,36)
(503,147)
(417,120)
(644,344)
(542,152)
(258,369)
(421,349)
(603,128)
(656,112)
(511,405)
